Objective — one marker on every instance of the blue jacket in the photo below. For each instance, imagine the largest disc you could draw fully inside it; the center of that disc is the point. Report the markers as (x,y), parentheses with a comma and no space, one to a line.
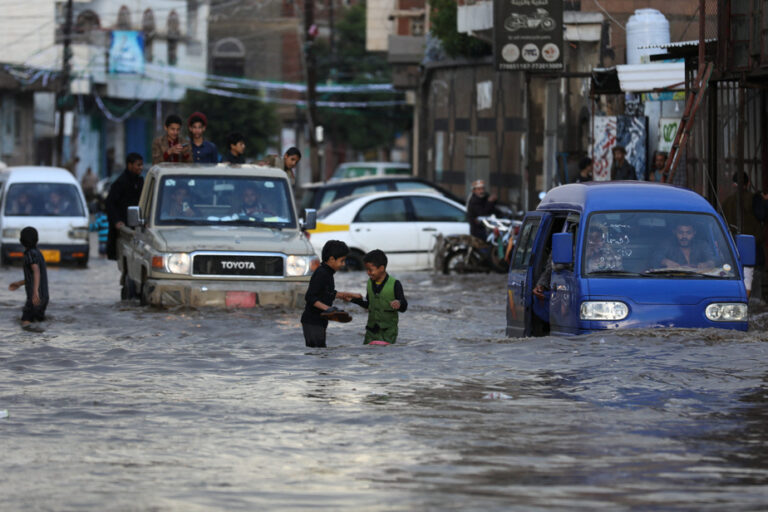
(206,153)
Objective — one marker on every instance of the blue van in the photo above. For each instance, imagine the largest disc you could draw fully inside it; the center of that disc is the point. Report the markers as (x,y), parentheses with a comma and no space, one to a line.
(616,255)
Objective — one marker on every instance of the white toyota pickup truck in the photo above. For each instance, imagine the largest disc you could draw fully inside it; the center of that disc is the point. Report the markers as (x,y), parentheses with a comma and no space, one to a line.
(216,235)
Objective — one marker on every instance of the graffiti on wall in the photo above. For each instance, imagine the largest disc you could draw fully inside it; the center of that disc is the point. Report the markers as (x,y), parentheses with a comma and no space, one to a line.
(627,131)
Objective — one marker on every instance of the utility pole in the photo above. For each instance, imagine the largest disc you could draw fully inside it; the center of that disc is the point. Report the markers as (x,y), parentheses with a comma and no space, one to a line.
(310,32)
(64,83)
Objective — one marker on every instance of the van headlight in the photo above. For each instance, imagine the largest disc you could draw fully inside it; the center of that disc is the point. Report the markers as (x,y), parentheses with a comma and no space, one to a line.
(299,265)
(172,263)
(604,310)
(11,233)
(727,312)
(78,233)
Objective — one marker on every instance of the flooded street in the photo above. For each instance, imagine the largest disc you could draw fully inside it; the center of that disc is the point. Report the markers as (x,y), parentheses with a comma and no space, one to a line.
(119,407)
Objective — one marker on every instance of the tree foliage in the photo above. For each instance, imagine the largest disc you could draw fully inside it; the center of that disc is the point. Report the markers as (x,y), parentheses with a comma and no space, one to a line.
(443,22)
(257,121)
(361,128)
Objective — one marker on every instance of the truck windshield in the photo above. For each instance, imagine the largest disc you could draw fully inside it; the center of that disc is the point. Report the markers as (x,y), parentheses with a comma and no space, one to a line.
(229,200)
(658,245)
(43,200)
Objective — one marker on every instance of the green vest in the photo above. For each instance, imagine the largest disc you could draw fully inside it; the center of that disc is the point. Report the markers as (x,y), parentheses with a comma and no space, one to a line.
(382,319)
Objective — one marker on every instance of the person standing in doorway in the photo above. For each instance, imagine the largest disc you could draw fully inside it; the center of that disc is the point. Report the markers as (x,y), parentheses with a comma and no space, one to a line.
(203,151)
(124,192)
(656,172)
(621,169)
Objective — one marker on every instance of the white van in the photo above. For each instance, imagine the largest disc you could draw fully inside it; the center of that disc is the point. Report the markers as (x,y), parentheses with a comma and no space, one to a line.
(50,200)
(361,169)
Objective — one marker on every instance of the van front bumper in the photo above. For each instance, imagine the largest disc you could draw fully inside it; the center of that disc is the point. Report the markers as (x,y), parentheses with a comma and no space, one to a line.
(649,316)
(53,253)
(225,294)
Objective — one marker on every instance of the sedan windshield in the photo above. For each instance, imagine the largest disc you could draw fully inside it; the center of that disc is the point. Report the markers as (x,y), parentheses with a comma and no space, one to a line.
(656,245)
(229,200)
(43,200)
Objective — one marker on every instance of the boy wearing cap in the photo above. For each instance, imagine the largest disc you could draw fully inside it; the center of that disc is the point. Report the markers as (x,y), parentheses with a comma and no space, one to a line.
(480,205)
(203,151)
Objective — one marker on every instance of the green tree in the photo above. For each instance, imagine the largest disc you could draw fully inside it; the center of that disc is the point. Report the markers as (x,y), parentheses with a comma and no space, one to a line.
(361,128)
(257,121)
(443,22)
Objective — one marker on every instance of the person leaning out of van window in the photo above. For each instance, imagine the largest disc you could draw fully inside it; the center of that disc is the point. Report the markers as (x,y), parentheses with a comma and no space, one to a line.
(171,146)
(287,162)
(124,192)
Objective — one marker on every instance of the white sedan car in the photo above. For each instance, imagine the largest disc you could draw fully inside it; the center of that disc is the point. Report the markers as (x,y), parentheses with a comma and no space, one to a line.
(402,224)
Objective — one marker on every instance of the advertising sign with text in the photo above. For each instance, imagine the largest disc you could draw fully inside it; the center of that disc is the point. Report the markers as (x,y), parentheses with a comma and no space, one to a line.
(528,35)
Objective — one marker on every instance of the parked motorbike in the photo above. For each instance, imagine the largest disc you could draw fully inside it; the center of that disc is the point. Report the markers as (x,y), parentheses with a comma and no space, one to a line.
(541,20)
(465,253)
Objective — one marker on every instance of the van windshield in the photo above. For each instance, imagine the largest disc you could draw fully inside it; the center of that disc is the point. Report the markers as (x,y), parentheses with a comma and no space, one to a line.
(230,200)
(43,200)
(656,245)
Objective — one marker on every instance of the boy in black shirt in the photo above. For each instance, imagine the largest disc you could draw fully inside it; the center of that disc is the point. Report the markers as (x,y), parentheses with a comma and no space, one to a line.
(35,281)
(321,294)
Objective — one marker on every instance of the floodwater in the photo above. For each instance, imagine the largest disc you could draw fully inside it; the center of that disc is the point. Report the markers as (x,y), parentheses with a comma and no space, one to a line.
(124,408)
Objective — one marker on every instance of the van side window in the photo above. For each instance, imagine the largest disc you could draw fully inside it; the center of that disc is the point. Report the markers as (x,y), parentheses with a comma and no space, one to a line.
(525,246)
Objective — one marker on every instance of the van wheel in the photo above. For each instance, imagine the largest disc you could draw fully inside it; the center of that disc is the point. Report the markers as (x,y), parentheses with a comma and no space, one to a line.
(354,261)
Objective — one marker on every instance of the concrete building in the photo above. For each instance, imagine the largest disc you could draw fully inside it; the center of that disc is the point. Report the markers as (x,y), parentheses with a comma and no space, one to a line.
(115,112)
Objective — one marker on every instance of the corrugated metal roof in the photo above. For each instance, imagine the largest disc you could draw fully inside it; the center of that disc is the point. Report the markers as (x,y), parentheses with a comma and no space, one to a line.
(654,76)
(677,44)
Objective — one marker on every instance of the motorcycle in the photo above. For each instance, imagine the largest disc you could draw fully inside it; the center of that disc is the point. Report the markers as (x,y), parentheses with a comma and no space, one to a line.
(541,19)
(466,253)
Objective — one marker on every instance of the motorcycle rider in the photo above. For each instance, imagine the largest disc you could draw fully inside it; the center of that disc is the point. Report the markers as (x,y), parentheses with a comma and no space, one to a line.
(480,205)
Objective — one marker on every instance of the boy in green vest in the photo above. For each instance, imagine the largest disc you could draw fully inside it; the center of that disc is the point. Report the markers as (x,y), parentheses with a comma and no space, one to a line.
(383,300)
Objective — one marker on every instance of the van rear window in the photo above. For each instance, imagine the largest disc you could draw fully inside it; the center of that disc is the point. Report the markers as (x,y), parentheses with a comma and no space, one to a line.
(43,200)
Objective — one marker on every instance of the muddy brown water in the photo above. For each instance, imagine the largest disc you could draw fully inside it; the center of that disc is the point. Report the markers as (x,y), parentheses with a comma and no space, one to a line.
(119,407)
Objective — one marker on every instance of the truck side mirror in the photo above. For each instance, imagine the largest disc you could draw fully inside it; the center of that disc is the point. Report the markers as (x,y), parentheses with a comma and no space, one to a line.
(746,246)
(133,217)
(562,248)
(310,219)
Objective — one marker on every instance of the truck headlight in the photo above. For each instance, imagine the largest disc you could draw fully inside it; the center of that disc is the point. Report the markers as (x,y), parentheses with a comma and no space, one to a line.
(172,263)
(298,265)
(11,233)
(78,233)
(604,310)
(727,312)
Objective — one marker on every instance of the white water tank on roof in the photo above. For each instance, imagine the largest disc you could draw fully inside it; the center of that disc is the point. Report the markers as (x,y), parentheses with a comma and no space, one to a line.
(647,27)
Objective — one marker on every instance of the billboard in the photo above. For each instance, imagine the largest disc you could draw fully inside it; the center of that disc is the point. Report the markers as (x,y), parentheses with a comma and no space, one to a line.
(126,52)
(528,35)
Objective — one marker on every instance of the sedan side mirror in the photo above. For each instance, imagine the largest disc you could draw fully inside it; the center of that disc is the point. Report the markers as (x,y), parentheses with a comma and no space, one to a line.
(310,219)
(133,217)
(562,248)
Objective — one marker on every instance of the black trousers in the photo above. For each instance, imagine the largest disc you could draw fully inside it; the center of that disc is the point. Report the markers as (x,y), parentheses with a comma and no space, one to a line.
(314,334)
(32,313)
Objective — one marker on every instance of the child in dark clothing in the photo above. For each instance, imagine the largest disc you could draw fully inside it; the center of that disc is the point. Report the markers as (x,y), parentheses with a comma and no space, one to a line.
(383,300)
(321,293)
(35,281)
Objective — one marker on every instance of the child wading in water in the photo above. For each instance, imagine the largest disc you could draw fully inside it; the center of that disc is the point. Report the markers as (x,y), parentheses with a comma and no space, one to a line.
(383,300)
(35,281)
(322,292)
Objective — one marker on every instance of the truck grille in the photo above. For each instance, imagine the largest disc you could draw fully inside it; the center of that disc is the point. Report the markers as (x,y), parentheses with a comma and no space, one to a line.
(223,265)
